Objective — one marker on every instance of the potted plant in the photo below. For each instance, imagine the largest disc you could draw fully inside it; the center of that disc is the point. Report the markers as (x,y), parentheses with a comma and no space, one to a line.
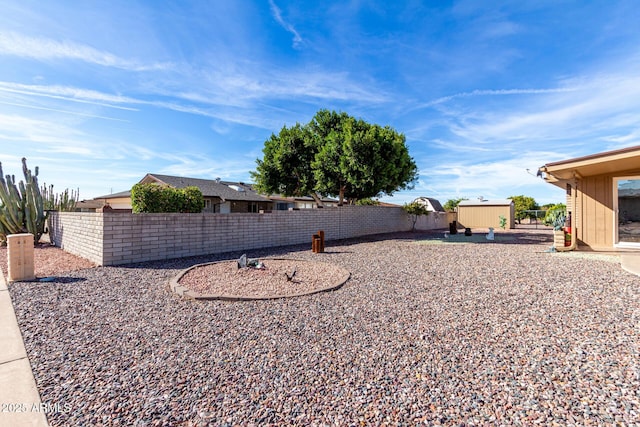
(558,229)
(556,217)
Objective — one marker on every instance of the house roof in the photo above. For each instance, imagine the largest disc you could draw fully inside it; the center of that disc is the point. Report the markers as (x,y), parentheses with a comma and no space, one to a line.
(115,195)
(89,204)
(505,202)
(225,190)
(607,162)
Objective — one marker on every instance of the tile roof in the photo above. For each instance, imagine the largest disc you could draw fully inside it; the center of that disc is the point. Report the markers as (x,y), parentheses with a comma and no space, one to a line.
(126,193)
(210,187)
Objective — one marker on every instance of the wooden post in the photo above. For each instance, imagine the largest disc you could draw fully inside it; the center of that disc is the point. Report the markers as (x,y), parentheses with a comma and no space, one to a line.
(321,236)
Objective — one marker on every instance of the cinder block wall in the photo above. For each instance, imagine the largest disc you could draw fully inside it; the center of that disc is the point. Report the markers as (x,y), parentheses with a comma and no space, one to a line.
(79,233)
(127,238)
(433,221)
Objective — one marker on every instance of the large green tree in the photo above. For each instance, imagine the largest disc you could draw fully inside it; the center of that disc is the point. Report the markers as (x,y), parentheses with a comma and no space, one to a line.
(521,204)
(335,155)
(286,165)
(452,204)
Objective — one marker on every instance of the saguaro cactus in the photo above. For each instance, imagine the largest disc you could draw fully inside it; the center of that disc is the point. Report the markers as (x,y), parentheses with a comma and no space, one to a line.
(63,202)
(21,205)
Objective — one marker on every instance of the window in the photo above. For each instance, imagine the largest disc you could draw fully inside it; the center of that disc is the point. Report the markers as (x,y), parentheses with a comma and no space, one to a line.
(627,190)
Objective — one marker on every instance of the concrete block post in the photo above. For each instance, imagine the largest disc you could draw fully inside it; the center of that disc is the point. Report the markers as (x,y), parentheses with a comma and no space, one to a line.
(20,257)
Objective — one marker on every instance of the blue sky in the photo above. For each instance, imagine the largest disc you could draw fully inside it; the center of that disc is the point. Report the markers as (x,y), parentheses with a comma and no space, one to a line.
(99,93)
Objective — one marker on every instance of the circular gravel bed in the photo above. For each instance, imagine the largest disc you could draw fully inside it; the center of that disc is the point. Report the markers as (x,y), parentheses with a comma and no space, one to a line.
(276,278)
(495,333)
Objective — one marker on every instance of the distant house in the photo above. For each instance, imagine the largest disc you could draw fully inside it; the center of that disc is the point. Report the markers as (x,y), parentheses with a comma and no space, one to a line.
(433,205)
(89,205)
(602,196)
(115,201)
(219,196)
(483,213)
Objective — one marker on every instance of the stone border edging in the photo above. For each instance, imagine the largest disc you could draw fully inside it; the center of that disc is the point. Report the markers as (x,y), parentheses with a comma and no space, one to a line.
(185,292)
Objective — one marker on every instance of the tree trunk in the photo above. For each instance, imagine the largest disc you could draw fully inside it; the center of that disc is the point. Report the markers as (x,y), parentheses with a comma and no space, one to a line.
(317,199)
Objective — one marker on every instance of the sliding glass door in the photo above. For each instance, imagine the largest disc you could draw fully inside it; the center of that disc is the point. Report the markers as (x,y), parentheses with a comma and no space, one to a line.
(627,197)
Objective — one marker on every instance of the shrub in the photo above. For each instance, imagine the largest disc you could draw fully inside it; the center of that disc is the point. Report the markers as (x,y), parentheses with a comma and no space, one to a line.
(193,200)
(155,198)
(367,202)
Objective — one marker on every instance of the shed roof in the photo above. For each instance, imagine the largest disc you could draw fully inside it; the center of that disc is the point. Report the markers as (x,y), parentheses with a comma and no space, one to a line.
(435,203)
(505,202)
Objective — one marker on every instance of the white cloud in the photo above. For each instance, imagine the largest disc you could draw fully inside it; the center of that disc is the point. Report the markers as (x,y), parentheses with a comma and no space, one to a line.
(277,14)
(602,105)
(68,93)
(39,48)
(496,92)
(56,110)
(494,179)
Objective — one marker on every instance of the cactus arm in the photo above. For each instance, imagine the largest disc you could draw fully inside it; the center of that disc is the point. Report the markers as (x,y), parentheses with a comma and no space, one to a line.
(11,205)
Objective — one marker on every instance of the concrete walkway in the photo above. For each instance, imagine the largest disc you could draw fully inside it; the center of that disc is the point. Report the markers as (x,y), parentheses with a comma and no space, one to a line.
(19,397)
(631,262)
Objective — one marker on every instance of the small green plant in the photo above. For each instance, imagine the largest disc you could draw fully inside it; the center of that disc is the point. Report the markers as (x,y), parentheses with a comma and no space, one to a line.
(415,209)
(556,216)
(503,222)
(559,221)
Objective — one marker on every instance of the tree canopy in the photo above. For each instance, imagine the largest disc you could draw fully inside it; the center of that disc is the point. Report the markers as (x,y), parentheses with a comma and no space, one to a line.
(335,155)
(521,204)
(452,204)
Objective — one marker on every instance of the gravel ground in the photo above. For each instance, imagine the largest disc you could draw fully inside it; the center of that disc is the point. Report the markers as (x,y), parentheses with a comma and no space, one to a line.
(433,334)
(275,278)
(49,261)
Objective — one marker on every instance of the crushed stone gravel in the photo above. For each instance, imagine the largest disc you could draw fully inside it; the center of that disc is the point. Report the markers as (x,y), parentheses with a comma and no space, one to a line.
(274,278)
(497,333)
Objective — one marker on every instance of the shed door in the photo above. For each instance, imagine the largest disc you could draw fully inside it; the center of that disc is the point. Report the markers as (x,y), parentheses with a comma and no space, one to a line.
(627,198)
